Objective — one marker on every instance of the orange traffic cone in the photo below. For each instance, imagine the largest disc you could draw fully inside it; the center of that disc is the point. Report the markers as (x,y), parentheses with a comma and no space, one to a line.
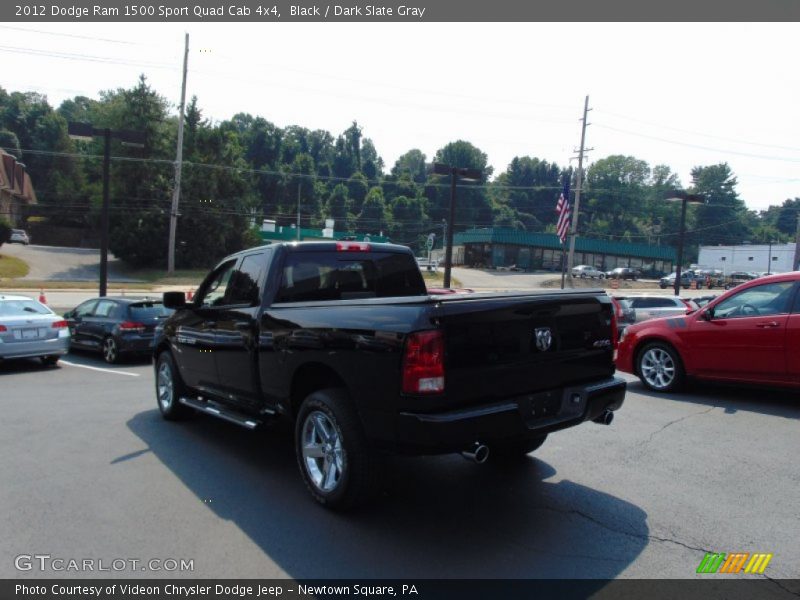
(42,297)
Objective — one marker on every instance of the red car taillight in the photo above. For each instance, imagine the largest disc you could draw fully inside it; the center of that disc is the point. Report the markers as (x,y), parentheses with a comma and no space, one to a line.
(59,325)
(423,363)
(3,328)
(131,326)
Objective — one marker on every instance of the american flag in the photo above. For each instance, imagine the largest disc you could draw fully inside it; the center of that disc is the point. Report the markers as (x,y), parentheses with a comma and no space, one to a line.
(564,213)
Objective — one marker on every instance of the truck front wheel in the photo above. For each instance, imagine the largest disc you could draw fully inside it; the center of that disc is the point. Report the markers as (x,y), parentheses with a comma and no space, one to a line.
(169,388)
(337,464)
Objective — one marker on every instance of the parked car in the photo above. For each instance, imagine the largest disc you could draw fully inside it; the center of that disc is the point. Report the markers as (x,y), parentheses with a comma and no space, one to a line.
(624,313)
(737,278)
(624,273)
(116,326)
(668,281)
(19,236)
(651,306)
(344,341)
(30,329)
(749,334)
(709,278)
(584,271)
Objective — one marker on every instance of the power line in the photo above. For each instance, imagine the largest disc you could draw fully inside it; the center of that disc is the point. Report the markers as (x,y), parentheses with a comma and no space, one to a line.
(697,133)
(699,147)
(75,36)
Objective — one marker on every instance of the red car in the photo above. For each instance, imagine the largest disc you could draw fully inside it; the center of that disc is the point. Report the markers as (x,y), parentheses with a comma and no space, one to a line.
(750,334)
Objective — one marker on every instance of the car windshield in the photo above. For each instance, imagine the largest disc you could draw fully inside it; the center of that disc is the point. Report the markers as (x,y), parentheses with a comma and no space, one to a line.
(22,308)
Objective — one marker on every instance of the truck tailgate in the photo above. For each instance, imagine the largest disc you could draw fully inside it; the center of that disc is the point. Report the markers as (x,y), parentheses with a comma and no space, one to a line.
(503,346)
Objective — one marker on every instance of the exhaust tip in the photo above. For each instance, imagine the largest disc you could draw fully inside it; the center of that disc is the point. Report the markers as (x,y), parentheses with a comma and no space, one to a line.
(606,418)
(478,453)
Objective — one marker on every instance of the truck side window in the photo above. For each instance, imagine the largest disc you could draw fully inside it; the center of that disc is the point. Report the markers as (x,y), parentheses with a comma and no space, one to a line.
(213,291)
(244,283)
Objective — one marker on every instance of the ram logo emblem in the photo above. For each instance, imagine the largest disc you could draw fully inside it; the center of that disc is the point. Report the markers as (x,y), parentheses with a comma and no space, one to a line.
(544,338)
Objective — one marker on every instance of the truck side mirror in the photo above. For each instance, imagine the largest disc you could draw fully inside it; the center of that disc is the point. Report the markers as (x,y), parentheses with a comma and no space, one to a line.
(174,300)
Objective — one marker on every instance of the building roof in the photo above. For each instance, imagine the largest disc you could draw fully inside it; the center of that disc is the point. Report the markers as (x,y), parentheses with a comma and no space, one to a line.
(14,179)
(495,235)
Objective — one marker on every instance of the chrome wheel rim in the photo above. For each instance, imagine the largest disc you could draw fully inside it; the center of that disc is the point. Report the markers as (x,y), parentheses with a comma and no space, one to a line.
(110,350)
(657,368)
(164,385)
(323,454)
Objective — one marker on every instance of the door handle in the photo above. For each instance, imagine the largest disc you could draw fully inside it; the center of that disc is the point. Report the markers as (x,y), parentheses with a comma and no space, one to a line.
(767,324)
(211,324)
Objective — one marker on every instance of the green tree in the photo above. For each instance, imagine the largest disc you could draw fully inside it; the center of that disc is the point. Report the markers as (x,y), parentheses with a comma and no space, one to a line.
(473,207)
(374,217)
(411,163)
(721,219)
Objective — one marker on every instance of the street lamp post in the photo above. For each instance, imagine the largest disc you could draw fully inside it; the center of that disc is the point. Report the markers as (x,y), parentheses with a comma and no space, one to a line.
(467,175)
(685,198)
(84,131)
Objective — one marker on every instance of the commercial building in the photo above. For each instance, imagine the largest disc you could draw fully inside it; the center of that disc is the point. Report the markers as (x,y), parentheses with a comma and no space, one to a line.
(501,247)
(759,258)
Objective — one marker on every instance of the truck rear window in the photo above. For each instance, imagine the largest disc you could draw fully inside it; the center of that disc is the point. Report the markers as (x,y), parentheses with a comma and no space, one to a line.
(313,276)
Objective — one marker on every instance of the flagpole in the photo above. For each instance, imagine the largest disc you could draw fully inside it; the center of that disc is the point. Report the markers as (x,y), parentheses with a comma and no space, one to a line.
(563,266)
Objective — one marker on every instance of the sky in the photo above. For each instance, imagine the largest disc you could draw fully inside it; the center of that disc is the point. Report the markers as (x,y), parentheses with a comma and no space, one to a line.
(678,94)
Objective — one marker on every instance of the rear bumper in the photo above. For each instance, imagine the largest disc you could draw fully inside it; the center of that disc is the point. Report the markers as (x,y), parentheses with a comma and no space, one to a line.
(519,418)
(54,347)
(138,344)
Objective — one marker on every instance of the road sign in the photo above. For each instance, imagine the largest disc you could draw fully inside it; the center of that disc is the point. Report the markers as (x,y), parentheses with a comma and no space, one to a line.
(429,242)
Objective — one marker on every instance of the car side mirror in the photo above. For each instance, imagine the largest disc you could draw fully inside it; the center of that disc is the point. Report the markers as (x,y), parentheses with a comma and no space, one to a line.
(708,314)
(174,300)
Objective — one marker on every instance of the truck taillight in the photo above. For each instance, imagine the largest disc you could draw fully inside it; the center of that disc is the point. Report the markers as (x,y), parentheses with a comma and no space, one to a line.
(352,247)
(423,363)
(131,326)
(59,325)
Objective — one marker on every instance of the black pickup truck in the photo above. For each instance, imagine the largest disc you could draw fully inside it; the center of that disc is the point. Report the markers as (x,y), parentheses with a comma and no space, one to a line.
(344,339)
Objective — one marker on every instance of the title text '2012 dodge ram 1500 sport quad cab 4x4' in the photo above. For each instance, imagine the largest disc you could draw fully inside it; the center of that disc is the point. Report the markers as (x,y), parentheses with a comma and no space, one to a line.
(344,339)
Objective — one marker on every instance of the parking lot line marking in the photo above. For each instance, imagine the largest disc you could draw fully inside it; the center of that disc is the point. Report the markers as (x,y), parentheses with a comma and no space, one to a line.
(64,362)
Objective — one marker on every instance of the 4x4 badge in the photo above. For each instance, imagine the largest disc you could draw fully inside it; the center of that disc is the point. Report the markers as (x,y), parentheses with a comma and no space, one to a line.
(544,337)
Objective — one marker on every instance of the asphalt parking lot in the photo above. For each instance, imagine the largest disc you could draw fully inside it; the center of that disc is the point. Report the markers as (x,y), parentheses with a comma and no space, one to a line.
(90,470)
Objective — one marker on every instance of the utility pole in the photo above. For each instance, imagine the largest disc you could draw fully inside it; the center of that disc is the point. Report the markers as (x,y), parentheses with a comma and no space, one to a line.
(298,211)
(576,212)
(176,192)
(104,219)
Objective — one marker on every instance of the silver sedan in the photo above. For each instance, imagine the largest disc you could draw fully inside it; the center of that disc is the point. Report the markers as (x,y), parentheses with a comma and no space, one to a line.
(30,329)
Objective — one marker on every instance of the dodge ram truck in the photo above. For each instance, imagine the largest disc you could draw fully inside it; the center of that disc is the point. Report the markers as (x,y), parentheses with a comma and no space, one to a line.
(343,339)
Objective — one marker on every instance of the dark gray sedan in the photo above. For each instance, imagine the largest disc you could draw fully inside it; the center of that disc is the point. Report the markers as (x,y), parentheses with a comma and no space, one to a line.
(30,329)
(116,326)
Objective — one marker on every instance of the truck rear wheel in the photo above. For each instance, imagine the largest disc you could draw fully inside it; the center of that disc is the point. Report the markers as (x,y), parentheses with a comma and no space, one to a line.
(337,464)
(508,451)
